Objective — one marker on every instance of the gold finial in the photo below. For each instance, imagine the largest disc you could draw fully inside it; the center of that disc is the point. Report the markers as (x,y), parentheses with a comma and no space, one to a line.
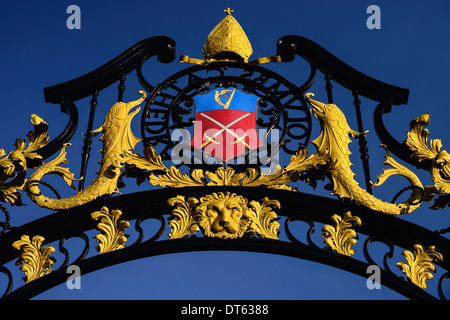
(228,10)
(227,41)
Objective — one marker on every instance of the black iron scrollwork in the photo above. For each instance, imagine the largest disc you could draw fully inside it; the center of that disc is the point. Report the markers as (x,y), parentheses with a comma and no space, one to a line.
(171,106)
(140,231)
(5,225)
(386,256)
(310,231)
(444,277)
(65,252)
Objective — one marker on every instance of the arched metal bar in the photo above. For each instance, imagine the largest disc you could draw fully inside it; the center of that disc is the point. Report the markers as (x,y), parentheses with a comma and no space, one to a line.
(148,249)
(6,272)
(339,71)
(95,81)
(444,277)
(115,70)
(152,203)
(112,71)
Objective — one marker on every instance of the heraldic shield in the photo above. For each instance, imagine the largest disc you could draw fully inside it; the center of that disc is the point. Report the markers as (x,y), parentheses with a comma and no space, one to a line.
(225,123)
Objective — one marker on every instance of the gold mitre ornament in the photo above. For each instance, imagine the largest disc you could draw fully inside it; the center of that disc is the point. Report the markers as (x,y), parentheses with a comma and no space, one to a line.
(227,42)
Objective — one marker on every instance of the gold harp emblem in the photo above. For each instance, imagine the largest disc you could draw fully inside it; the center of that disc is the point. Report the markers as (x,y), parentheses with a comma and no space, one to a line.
(220,93)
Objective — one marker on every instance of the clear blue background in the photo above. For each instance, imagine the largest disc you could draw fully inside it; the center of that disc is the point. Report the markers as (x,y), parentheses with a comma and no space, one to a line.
(411,50)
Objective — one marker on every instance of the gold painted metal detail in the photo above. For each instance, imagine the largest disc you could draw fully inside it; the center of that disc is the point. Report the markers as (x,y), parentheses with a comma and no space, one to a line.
(34,260)
(224,215)
(118,144)
(181,220)
(228,42)
(227,36)
(340,237)
(13,167)
(417,141)
(221,93)
(333,143)
(263,218)
(227,176)
(419,264)
(111,237)
(332,156)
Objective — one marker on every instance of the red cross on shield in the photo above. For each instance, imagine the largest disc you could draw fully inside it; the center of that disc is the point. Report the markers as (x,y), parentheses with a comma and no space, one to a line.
(225,123)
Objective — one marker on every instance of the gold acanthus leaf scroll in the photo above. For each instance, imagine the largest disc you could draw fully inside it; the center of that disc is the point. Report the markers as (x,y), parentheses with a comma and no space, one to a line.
(13,167)
(34,260)
(181,221)
(419,264)
(111,237)
(223,215)
(340,237)
(226,176)
(417,142)
(263,218)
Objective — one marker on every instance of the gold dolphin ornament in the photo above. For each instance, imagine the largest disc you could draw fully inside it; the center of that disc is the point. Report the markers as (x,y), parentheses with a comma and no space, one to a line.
(333,143)
(118,143)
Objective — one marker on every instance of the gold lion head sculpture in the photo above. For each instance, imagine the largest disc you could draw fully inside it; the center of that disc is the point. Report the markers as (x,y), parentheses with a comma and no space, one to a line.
(223,215)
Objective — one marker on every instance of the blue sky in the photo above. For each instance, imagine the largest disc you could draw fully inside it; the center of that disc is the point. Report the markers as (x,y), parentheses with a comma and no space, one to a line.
(410,51)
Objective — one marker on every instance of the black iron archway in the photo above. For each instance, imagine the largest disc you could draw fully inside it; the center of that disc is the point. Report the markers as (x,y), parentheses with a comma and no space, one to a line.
(280,97)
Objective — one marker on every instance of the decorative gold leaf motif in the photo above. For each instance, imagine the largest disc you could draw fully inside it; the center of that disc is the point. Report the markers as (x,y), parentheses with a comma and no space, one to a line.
(417,139)
(174,178)
(111,237)
(277,178)
(224,177)
(339,236)
(35,261)
(13,167)
(150,162)
(417,142)
(181,221)
(223,215)
(418,267)
(263,218)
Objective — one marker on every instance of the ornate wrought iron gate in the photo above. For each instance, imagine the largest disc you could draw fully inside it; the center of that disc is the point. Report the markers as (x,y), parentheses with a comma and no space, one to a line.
(231,199)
